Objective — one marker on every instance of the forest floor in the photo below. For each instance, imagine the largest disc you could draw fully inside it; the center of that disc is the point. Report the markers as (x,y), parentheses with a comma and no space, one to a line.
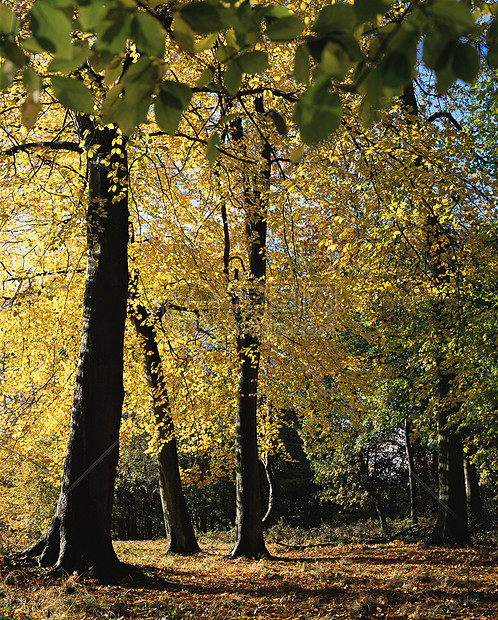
(342,581)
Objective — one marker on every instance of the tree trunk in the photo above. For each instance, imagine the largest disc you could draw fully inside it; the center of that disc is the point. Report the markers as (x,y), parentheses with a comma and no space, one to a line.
(472,490)
(179,530)
(452,526)
(249,541)
(79,535)
(373,494)
(270,509)
(412,484)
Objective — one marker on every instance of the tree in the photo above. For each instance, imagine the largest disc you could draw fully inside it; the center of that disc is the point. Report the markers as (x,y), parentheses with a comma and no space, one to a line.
(179,531)
(79,535)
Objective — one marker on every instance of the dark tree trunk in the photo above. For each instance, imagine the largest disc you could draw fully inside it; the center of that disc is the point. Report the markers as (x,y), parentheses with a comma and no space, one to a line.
(249,540)
(412,484)
(248,312)
(179,530)
(452,526)
(373,494)
(79,535)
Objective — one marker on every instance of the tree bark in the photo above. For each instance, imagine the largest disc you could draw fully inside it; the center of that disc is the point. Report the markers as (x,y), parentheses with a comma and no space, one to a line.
(412,484)
(179,530)
(248,313)
(79,535)
(472,490)
(373,494)
(270,508)
(452,523)
(452,526)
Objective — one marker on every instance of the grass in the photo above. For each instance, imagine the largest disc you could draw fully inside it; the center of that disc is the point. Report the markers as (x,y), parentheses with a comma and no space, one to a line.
(343,581)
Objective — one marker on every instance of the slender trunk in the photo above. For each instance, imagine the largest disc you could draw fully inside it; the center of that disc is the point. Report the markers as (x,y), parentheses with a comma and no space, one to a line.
(373,494)
(179,530)
(412,485)
(472,490)
(79,535)
(270,509)
(249,541)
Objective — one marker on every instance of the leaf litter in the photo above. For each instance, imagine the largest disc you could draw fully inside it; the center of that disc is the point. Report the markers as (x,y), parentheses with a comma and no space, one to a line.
(335,582)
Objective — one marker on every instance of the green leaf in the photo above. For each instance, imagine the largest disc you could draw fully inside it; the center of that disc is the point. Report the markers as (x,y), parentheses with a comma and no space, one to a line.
(368,9)
(112,35)
(6,75)
(225,52)
(172,99)
(232,78)
(367,113)
(335,61)
(8,20)
(466,62)
(205,77)
(318,112)
(253,62)
(445,78)
(492,32)
(111,102)
(90,15)
(213,151)
(51,28)
(228,118)
(302,65)
(78,56)
(11,51)
(30,109)
(179,91)
(275,12)
(202,17)
(73,94)
(492,57)
(452,16)
(113,71)
(297,155)
(335,18)
(206,43)
(128,118)
(279,122)
(148,34)
(139,81)
(397,71)
(437,49)
(31,80)
(183,34)
(285,28)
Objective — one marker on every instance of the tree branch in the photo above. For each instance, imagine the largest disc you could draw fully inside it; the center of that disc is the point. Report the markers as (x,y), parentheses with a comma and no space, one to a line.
(55,146)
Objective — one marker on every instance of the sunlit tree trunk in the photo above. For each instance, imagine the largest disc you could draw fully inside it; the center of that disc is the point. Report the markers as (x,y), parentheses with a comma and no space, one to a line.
(79,535)
(472,490)
(412,484)
(179,530)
